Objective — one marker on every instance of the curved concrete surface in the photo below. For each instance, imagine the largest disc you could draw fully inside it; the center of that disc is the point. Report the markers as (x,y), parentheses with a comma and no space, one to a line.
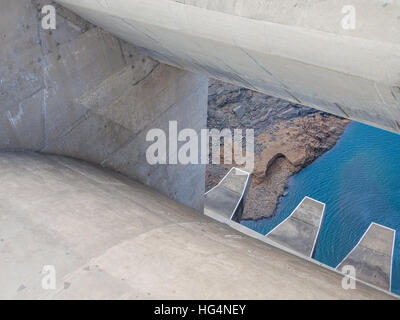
(226,197)
(110,237)
(296,50)
(78,91)
(300,231)
(372,257)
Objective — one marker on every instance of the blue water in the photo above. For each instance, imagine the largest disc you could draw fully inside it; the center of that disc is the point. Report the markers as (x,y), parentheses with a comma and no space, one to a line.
(359,180)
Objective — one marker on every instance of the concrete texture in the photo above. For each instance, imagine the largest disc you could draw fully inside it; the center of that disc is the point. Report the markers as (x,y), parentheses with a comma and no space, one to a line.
(80,92)
(293,50)
(110,237)
(372,257)
(226,198)
(300,231)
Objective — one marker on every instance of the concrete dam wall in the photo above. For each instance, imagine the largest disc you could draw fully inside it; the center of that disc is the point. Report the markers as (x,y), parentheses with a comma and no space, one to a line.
(112,238)
(325,54)
(80,92)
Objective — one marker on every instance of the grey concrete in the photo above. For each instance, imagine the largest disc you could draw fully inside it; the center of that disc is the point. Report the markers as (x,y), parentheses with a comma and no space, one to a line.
(372,257)
(110,237)
(80,92)
(226,197)
(293,50)
(300,231)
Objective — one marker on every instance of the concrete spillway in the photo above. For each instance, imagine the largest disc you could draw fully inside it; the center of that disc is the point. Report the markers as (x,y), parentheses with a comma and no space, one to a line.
(300,231)
(79,91)
(299,51)
(225,200)
(372,257)
(110,237)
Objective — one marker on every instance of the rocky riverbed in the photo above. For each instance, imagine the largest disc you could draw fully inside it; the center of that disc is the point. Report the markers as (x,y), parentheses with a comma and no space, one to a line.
(288,137)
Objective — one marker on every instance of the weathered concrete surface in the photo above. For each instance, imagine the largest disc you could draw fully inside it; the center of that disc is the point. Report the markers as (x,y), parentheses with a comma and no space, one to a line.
(226,197)
(110,237)
(80,92)
(372,257)
(294,50)
(300,231)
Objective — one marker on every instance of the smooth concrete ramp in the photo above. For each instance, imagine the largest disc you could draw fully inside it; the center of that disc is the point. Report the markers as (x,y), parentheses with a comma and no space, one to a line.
(79,92)
(109,237)
(225,198)
(372,257)
(300,231)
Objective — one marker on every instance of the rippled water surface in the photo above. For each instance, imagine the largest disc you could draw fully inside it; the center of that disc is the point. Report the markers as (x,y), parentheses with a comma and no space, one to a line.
(359,180)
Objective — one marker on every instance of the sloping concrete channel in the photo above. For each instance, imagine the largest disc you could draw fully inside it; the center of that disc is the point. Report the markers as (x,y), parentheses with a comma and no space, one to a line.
(227,198)
(372,257)
(301,230)
(109,237)
(77,104)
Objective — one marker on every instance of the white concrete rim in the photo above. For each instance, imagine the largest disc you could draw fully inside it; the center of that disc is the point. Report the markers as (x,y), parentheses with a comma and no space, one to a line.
(243,192)
(391,266)
(351,251)
(287,217)
(219,183)
(319,227)
(262,238)
(255,235)
(320,222)
(358,243)
(222,180)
